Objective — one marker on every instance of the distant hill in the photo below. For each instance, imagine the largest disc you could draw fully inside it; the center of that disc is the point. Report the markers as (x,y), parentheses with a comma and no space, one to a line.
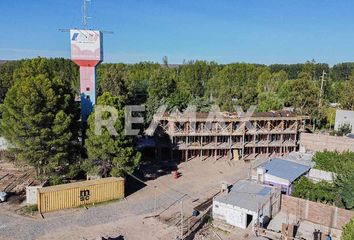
(3,61)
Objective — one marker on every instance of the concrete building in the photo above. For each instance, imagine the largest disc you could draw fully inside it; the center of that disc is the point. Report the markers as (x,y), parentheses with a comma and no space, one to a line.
(280,173)
(247,204)
(342,117)
(227,135)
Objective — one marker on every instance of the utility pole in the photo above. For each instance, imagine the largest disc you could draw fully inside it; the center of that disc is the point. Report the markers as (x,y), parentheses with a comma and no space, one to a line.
(322,83)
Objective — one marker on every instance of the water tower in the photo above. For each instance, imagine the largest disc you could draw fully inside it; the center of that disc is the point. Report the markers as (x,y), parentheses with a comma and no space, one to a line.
(87,52)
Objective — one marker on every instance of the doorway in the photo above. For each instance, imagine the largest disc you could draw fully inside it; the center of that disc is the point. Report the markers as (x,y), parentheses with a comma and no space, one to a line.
(248,220)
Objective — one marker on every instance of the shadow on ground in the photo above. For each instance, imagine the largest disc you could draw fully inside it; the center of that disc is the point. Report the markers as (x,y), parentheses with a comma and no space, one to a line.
(113,238)
(148,171)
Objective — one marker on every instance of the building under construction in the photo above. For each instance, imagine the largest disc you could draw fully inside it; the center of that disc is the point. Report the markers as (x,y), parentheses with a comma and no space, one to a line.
(183,137)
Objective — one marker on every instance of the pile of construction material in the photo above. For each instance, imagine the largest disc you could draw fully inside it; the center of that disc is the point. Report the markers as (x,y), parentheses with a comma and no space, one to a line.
(14,180)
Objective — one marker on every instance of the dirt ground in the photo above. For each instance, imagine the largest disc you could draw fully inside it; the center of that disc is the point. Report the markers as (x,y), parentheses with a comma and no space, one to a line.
(127,228)
(125,219)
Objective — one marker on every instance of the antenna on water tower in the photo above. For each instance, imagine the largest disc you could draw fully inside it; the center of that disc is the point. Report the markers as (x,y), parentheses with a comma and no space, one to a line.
(85,16)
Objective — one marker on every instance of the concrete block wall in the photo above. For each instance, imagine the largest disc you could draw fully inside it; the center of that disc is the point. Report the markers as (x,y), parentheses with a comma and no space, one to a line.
(319,142)
(318,213)
(31,194)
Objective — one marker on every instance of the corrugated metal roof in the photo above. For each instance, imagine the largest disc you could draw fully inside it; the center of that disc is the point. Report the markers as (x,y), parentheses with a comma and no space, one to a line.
(79,184)
(285,169)
(247,195)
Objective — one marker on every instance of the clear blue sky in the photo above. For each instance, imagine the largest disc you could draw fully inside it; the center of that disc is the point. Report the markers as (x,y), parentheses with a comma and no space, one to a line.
(259,31)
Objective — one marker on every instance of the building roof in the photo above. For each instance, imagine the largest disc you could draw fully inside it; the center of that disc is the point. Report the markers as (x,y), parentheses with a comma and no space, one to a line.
(285,169)
(247,195)
(233,115)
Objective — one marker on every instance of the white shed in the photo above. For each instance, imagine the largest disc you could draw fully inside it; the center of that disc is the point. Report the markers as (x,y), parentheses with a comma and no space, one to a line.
(247,203)
(342,117)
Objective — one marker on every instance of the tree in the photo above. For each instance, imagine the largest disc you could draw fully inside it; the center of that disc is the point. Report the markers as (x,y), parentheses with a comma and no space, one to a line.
(162,84)
(193,76)
(6,77)
(345,183)
(342,164)
(302,94)
(347,96)
(268,102)
(334,161)
(348,231)
(323,191)
(342,71)
(40,118)
(110,155)
(64,69)
(113,80)
(234,85)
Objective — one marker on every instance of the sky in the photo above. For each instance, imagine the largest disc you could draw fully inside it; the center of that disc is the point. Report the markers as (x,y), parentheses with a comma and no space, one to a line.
(225,31)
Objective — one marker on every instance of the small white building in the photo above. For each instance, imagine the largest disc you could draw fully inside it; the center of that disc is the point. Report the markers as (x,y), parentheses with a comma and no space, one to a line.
(342,117)
(247,203)
(4,144)
(280,173)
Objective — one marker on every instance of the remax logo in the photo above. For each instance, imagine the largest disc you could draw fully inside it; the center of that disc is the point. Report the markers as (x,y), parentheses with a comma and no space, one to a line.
(75,35)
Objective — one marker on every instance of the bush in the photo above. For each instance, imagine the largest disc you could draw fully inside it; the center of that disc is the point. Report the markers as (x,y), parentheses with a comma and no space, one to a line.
(334,161)
(348,231)
(344,129)
(30,209)
(319,192)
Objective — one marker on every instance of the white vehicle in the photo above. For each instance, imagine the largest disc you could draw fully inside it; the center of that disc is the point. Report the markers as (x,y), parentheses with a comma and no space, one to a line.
(3,196)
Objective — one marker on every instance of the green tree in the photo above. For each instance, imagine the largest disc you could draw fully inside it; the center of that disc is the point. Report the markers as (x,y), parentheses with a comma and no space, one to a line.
(342,71)
(347,96)
(323,191)
(234,85)
(302,94)
(113,80)
(269,101)
(62,68)
(137,79)
(345,183)
(162,84)
(40,118)
(334,161)
(193,76)
(6,77)
(110,155)
(348,231)
(335,91)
